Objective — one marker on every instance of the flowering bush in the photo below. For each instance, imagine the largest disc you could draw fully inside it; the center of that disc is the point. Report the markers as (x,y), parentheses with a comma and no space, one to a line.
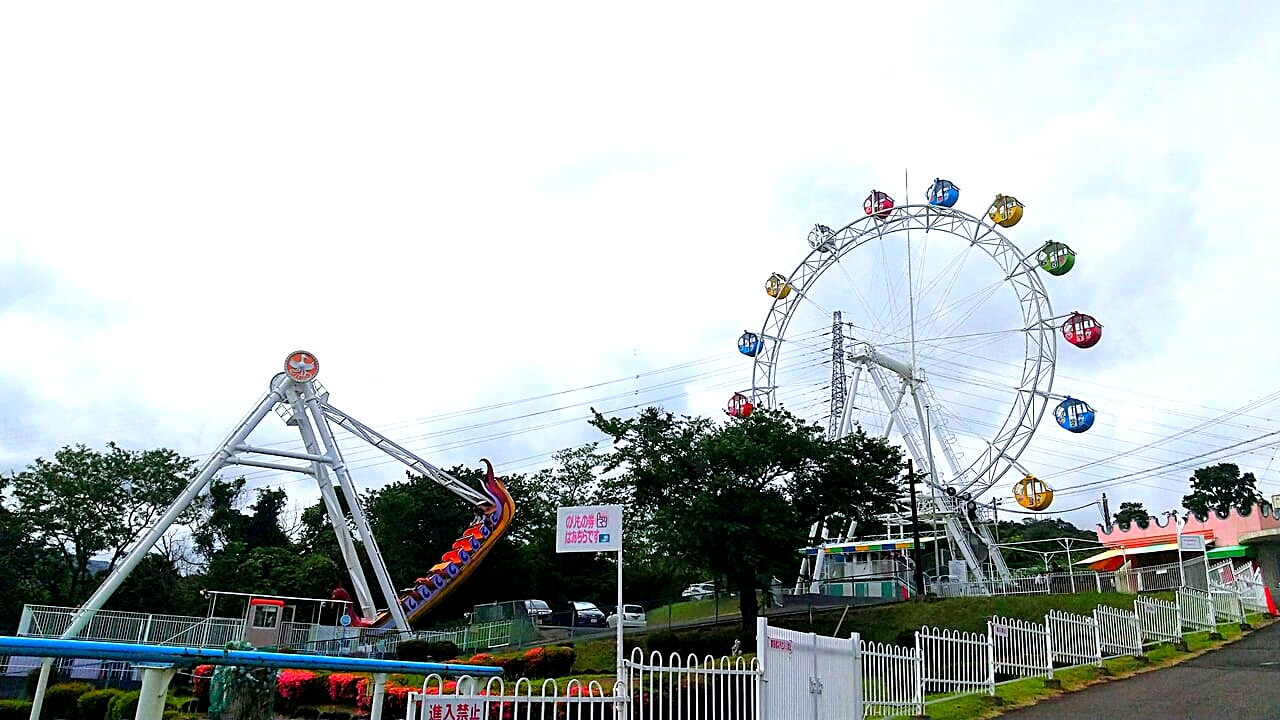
(200,681)
(302,687)
(395,699)
(344,688)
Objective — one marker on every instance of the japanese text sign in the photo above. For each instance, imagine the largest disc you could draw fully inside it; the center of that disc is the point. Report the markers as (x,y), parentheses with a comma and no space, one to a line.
(593,528)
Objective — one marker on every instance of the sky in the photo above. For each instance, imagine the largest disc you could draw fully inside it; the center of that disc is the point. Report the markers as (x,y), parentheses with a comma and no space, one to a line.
(484,221)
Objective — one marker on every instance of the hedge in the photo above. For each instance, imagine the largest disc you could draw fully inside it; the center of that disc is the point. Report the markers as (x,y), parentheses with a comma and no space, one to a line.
(61,700)
(93,704)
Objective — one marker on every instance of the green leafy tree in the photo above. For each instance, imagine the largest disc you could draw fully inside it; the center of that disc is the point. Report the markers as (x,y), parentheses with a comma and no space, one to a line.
(1131,512)
(1035,536)
(21,556)
(1220,487)
(84,503)
(738,497)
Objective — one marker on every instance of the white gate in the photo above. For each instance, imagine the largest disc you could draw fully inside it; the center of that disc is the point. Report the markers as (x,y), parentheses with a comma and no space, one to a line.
(809,676)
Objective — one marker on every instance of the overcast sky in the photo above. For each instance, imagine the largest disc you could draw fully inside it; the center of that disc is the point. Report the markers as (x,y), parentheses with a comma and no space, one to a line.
(464,207)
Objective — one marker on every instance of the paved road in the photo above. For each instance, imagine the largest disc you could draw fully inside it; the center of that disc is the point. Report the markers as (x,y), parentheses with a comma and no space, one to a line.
(1238,682)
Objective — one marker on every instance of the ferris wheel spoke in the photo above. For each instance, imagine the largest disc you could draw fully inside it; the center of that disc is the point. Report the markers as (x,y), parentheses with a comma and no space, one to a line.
(853,286)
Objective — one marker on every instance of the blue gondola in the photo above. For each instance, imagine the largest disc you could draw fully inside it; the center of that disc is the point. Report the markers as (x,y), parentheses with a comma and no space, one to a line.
(1074,415)
(942,192)
(750,344)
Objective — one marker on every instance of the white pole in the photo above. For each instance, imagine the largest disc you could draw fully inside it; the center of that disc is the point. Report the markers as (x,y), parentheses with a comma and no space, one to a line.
(618,614)
(1182,577)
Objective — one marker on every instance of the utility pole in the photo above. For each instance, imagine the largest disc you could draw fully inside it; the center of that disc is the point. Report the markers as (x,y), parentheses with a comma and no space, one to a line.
(915,531)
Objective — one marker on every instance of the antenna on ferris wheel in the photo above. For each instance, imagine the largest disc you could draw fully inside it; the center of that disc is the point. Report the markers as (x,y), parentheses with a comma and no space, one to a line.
(911,288)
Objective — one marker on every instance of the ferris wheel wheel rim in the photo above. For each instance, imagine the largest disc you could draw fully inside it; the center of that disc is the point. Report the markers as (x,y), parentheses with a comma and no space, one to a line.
(1029,403)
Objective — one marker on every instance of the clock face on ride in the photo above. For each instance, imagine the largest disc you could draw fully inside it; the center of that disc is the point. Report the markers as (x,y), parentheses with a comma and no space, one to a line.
(302,366)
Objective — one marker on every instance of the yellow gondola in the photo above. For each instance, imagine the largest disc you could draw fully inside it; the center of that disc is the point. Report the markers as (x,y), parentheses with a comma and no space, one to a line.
(777,286)
(1032,493)
(1006,211)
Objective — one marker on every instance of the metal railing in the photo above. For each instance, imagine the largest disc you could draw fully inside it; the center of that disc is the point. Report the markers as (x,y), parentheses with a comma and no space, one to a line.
(1157,620)
(1118,631)
(954,661)
(1019,648)
(119,626)
(1195,609)
(1073,639)
(891,680)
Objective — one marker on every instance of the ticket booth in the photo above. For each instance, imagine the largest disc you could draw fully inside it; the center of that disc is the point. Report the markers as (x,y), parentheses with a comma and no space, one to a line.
(263,621)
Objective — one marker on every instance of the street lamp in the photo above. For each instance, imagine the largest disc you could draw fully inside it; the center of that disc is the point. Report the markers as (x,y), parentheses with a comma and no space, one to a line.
(1177,524)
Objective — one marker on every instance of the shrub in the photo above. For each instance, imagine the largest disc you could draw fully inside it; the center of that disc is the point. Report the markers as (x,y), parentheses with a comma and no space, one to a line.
(664,642)
(56,675)
(123,706)
(343,688)
(301,687)
(93,704)
(60,701)
(15,709)
(200,681)
(441,650)
(415,650)
(395,699)
(559,661)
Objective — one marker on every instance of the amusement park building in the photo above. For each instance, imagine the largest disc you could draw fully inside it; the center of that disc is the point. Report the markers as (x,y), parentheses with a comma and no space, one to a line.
(1249,533)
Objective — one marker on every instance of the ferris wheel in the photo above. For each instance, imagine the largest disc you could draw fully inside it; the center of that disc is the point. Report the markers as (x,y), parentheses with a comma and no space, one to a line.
(928,326)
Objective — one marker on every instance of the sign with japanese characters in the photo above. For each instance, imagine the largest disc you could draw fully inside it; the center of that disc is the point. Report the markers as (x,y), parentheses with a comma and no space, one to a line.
(592,528)
(1191,543)
(447,708)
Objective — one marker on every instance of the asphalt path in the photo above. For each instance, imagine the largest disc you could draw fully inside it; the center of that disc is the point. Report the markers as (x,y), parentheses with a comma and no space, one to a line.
(1239,682)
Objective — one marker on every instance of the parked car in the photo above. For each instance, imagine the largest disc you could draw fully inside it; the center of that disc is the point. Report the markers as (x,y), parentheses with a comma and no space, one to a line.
(632,616)
(586,614)
(578,614)
(538,611)
(699,591)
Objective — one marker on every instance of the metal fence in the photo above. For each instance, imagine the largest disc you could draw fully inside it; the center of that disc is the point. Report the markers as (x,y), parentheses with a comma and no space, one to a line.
(118,626)
(1118,631)
(1195,609)
(467,699)
(1226,606)
(954,661)
(1073,639)
(656,688)
(1019,648)
(891,680)
(1157,620)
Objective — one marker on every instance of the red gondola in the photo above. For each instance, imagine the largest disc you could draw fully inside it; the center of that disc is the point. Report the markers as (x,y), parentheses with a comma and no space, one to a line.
(1082,330)
(739,406)
(878,204)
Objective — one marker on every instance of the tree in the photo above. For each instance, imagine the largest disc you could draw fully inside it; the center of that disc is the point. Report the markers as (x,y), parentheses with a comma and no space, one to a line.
(22,557)
(1221,487)
(1131,512)
(84,503)
(738,498)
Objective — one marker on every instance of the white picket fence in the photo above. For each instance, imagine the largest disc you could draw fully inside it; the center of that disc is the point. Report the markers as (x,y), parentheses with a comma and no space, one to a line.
(1019,648)
(954,661)
(947,663)
(1158,620)
(1073,639)
(891,680)
(1195,609)
(1118,631)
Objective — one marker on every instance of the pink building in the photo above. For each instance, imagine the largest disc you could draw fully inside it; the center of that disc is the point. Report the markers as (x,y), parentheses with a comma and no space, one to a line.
(1253,534)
